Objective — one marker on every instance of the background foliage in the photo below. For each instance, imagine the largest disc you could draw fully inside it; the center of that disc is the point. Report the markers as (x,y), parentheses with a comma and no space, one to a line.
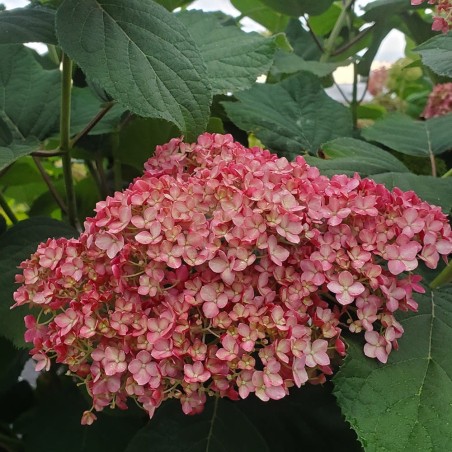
(141,74)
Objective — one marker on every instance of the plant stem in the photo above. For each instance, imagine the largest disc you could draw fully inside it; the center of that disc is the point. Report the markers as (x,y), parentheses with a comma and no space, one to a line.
(65,145)
(117,169)
(443,278)
(354,103)
(329,45)
(448,174)
(53,191)
(5,206)
(433,165)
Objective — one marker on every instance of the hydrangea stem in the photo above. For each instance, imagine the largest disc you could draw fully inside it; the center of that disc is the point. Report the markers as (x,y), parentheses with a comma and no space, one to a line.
(65,145)
(329,45)
(443,278)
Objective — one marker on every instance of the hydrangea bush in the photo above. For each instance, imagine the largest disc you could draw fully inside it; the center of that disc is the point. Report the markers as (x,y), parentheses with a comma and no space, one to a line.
(225,271)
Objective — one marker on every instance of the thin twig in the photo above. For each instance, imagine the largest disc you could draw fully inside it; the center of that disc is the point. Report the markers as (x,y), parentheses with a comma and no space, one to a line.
(353,41)
(45,154)
(314,36)
(53,191)
(92,123)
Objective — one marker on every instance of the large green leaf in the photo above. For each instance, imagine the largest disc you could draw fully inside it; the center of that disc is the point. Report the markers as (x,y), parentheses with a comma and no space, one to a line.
(222,427)
(16,149)
(436,53)
(251,425)
(54,423)
(29,95)
(434,190)
(27,25)
(141,55)
(348,155)
(297,8)
(289,63)
(408,136)
(234,58)
(291,117)
(16,245)
(262,14)
(405,405)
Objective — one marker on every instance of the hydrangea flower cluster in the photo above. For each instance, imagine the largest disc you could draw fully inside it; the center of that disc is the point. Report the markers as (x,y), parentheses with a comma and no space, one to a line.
(442,21)
(439,102)
(377,81)
(226,271)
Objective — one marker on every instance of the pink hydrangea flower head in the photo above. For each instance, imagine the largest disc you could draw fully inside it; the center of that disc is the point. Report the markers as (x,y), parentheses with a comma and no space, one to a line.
(229,271)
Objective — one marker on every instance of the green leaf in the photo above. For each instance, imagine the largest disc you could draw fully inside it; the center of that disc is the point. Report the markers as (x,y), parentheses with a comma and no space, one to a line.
(16,245)
(409,136)
(22,25)
(291,117)
(431,189)
(436,53)
(29,95)
(138,139)
(297,8)
(252,425)
(141,55)
(262,14)
(324,23)
(354,155)
(85,105)
(54,424)
(382,9)
(289,63)
(171,5)
(379,32)
(405,405)
(303,43)
(13,151)
(234,59)
(221,427)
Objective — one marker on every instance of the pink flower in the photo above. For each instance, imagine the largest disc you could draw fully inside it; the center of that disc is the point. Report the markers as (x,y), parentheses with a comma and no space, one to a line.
(144,370)
(376,346)
(67,320)
(278,254)
(194,373)
(114,361)
(316,353)
(346,288)
(402,258)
